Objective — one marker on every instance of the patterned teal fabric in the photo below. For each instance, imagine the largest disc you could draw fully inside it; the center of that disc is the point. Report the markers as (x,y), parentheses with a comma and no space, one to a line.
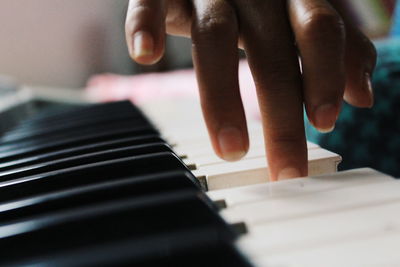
(371,137)
(396,21)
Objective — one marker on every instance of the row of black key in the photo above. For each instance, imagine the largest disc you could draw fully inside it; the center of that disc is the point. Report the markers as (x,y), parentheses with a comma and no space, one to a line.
(98,186)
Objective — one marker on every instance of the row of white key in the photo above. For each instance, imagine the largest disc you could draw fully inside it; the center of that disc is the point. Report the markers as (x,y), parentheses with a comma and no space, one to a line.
(344,219)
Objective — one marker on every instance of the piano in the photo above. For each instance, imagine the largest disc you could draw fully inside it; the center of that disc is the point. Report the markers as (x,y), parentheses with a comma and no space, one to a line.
(113,184)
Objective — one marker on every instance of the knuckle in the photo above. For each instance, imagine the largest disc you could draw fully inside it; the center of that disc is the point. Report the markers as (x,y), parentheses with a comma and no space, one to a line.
(213,25)
(322,23)
(217,23)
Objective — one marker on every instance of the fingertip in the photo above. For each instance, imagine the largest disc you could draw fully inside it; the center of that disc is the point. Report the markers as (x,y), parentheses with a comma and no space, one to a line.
(324,117)
(360,94)
(232,143)
(287,161)
(143,48)
(288,173)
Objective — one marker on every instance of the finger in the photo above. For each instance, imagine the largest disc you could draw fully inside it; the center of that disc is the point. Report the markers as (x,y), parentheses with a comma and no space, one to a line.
(145,30)
(215,55)
(179,18)
(320,37)
(360,63)
(269,45)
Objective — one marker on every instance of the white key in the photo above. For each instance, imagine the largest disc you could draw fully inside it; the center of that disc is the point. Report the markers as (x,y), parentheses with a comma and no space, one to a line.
(253,171)
(279,209)
(299,186)
(375,250)
(307,233)
(345,219)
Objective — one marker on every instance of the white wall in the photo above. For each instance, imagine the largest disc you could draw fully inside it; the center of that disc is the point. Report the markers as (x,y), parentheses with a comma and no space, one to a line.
(62,42)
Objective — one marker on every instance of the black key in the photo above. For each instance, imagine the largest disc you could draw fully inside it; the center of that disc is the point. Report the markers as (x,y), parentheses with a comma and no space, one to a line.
(83,112)
(89,115)
(74,132)
(83,191)
(83,159)
(19,151)
(177,223)
(79,150)
(71,118)
(59,130)
(74,116)
(90,174)
(131,187)
(120,254)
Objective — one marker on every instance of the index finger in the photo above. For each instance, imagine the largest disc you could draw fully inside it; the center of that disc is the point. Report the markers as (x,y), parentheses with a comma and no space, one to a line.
(272,57)
(145,30)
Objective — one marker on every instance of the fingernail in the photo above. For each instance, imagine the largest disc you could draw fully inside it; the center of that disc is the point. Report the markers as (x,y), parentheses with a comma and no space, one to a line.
(288,173)
(231,143)
(325,117)
(143,45)
(368,88)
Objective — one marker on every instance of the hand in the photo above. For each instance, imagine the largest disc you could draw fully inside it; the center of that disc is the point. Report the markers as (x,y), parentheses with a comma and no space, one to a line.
(336,61)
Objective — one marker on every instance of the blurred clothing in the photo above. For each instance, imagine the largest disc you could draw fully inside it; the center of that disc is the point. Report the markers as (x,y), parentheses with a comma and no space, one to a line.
(396,21)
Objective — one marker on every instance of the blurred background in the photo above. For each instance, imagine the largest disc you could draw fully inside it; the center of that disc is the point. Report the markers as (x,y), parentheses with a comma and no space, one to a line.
(62,43)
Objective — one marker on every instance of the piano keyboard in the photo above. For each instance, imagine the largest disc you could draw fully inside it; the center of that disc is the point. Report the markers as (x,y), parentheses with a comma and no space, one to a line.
(187,132)
(98,185)
(343,219)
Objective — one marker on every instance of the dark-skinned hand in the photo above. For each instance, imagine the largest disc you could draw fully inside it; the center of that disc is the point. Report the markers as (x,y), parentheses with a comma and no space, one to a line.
(337,61)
